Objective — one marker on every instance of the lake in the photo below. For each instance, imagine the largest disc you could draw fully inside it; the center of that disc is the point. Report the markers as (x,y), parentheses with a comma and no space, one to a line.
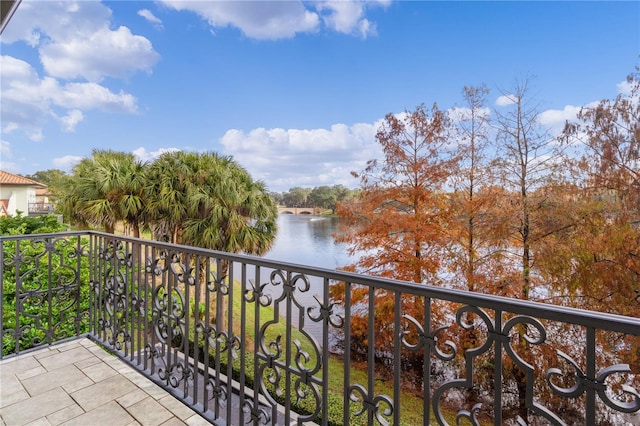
(308,240)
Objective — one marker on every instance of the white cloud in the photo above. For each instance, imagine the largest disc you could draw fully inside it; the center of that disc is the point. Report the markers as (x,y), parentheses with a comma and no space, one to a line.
(103,53)
(153,19)
(554,119)
(258,19)
(5,154)
(74,40)
(283,19)
(506,100)
(93,96)
(71,120)
(66,162)
(624,87)
(28,101)
(36,22)
(347,17)
(34,134)
(143,155)
(10,167)
(5,149)
(464,113)
(302,157)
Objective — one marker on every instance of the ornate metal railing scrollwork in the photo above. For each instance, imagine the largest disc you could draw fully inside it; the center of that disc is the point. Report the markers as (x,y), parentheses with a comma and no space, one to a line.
(42,295)
(598,383)
(428,341)
(378,406)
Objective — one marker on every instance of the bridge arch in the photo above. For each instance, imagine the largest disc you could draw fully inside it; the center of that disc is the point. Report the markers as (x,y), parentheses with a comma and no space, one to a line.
(296,210)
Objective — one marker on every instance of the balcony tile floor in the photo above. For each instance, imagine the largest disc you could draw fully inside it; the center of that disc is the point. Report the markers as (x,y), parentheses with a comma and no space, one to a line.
(79,383)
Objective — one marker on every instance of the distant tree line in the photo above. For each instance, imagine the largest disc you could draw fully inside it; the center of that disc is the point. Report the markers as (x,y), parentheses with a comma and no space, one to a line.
(324,196)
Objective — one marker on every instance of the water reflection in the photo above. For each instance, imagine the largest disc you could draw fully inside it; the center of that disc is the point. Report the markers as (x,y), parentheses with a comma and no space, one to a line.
(308,240)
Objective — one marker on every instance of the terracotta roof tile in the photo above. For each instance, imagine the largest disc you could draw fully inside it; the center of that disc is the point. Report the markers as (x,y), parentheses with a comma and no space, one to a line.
(7,178)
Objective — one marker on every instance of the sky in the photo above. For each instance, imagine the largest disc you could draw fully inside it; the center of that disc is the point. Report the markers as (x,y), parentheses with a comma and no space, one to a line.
(293,90)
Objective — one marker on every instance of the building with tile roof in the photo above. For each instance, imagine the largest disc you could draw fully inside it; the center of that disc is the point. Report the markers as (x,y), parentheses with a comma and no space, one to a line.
(17,193)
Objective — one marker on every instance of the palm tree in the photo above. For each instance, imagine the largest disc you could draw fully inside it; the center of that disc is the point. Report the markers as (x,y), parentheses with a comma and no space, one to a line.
(131,202)
(210,201)
(166,191)
(105,189)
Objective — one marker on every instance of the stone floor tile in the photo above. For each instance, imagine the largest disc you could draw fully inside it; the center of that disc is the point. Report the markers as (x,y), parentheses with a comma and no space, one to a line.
(99,372)
(45,353)
(96,395)
(10,384)
(133,375)
(178,409)
(71,344)
(14,366)
(76,399)
(62,359)
(31,373)
(87,362)
(78,384)
(132,397)
(62,347)
(11,391)
(149,412)
(42,421)
(93,346)
(110,414)
(36,407)
(115,363)
(87,343)
(196,420)
(173,421)
(152,389)
(54,378)
(100,353)
(12,398)
(65,414)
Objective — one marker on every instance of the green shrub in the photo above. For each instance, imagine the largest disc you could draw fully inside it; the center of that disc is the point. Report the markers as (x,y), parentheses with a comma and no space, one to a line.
(20,225)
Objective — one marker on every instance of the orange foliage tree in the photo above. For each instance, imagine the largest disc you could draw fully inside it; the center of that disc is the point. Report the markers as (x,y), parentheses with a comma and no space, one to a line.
(399,220)
(473,254)
(606,251)
(530,164)
(609,134)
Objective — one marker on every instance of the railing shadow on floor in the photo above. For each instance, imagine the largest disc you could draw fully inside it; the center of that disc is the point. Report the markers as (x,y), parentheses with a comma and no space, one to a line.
(245,340)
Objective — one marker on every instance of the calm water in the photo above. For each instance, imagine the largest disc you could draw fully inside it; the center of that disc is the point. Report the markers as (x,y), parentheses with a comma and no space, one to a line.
(308,240)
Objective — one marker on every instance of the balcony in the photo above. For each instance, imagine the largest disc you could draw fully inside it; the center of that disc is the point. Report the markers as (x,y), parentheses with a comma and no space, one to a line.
(242,340)
(36,209)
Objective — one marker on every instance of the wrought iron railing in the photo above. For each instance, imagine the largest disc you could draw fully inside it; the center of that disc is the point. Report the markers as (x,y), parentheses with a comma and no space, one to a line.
(41,208)
(245,340)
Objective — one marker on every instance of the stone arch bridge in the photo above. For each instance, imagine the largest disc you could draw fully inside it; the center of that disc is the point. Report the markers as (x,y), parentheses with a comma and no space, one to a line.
(297,210)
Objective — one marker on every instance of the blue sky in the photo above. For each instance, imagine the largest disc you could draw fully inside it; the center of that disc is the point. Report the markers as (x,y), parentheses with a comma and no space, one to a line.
(292,90)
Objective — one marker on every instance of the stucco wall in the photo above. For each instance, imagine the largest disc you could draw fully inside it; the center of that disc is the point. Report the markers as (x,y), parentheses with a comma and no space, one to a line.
(19,198)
